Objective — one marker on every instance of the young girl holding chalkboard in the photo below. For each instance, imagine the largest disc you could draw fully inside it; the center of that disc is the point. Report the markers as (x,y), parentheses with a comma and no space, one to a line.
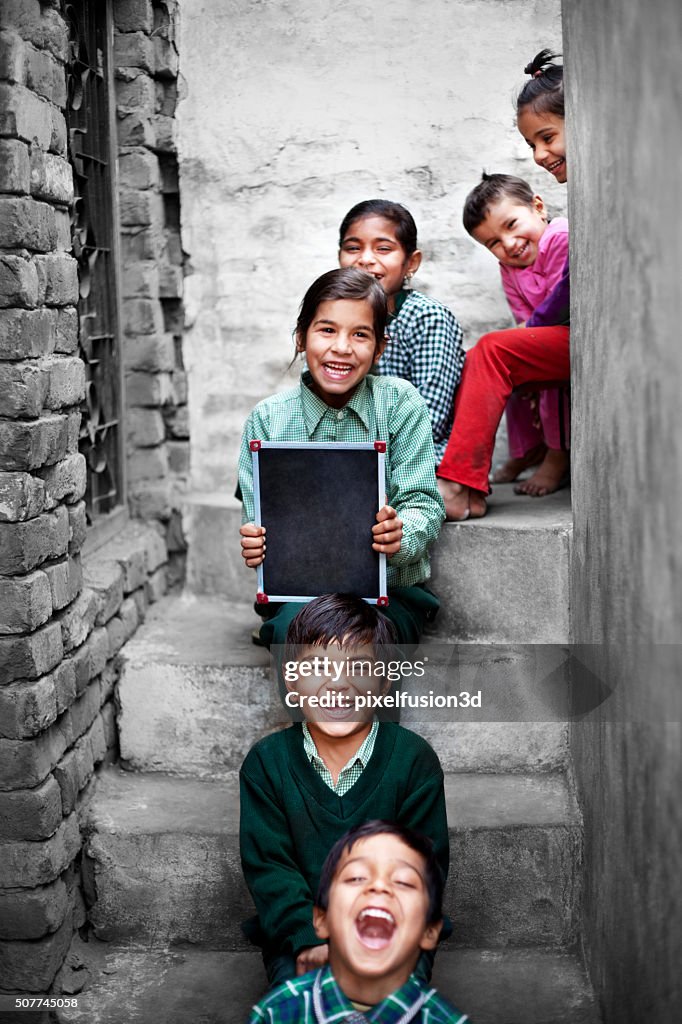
(341,330)
(425,339)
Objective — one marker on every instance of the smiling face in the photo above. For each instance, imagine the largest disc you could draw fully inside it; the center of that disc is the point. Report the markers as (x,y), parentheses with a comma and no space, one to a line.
(512,231)
(371,244)
(338,674)
(340,348)
(376,917)
(544,133)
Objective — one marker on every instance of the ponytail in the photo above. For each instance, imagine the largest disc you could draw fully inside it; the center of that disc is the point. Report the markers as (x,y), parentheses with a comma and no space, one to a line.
(545,91)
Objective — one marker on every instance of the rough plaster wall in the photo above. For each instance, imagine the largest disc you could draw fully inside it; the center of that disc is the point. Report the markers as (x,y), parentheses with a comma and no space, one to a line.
(293,112)
(625,146)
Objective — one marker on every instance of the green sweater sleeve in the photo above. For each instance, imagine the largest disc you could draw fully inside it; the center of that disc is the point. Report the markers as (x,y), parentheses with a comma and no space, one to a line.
(280,892)
(423,810)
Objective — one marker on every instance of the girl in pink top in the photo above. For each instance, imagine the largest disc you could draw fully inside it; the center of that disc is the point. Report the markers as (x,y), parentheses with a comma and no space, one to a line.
(504,215)
(504,361)
(533,420)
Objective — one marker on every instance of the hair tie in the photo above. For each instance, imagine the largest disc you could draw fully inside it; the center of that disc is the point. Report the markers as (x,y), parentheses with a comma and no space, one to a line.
(536,74)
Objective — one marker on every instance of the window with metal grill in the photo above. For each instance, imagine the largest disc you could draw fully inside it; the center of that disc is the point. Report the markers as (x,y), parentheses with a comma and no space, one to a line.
(94,232)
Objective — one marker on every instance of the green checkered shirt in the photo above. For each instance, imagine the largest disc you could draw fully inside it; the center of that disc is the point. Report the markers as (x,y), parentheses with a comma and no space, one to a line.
(293,1003)
(351,772)
(426,348)
(381,409)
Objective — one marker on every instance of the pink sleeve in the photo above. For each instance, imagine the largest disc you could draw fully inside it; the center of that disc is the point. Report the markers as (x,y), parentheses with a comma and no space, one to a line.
(552,258)
(520,308)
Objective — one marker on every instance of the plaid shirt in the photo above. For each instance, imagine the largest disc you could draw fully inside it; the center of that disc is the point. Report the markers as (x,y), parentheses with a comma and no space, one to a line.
(381,409)
(351,772)
(293,1003)
(426,349)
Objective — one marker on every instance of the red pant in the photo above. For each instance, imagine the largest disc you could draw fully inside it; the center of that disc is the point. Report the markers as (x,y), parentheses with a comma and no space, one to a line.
(498,363)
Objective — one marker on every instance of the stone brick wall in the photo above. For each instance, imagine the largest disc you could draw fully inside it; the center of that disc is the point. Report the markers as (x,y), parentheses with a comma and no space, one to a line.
(146,62)
(57,722)
(65,617)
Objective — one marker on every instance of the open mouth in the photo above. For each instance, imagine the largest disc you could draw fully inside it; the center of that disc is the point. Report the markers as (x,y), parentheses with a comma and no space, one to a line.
(522,252)
(342,708)
(337,371)
(554,167)
(375,927)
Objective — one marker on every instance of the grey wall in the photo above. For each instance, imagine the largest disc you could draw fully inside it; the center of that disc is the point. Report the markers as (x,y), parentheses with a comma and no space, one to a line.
(294,110)
(625,148)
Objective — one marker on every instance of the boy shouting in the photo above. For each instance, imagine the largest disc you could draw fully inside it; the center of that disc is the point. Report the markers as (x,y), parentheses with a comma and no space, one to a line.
(378,907)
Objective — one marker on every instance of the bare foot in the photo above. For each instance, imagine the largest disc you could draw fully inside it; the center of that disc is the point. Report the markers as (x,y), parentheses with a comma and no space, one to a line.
(548,477)
(461,502)
(513,467)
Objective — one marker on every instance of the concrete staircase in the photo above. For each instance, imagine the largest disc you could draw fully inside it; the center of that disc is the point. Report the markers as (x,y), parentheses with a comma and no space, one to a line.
(162,867)
(502,579)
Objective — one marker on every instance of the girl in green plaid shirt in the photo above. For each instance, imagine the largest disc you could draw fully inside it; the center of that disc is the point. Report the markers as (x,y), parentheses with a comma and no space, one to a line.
(341,331)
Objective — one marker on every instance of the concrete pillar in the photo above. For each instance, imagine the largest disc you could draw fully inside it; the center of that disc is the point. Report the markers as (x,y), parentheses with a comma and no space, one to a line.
(625,151)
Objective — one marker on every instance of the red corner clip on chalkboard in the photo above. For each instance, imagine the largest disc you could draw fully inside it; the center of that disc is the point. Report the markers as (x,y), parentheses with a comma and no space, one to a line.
(254,446)
(380,446)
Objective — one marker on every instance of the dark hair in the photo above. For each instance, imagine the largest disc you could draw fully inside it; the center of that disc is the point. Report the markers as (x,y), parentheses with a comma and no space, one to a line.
(415,840)
(544,94)
(349,283)
(490,189)
(334,618)
(405,227)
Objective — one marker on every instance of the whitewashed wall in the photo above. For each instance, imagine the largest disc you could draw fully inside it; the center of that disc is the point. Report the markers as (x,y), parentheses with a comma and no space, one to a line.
(294,110)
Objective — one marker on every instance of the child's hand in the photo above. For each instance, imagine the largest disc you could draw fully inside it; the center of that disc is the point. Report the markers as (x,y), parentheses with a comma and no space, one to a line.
(311,958)
(388,533)
(253,544)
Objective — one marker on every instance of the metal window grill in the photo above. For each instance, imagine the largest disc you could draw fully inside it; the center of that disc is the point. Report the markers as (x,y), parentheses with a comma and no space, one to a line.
(93,233)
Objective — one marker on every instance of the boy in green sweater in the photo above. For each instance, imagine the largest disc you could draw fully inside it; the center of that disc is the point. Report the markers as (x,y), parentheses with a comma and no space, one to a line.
(304,787)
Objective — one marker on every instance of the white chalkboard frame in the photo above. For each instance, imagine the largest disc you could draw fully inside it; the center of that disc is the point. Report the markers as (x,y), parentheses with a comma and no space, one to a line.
(380,448)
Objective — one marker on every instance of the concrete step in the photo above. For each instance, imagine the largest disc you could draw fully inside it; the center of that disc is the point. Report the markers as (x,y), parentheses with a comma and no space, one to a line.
(501,579)
(522,722)
(211,522)
(504,578)
(195,693)
(536,986)
(162,860)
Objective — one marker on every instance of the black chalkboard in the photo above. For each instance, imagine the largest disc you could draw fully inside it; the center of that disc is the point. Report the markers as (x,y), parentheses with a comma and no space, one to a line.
(319,504)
